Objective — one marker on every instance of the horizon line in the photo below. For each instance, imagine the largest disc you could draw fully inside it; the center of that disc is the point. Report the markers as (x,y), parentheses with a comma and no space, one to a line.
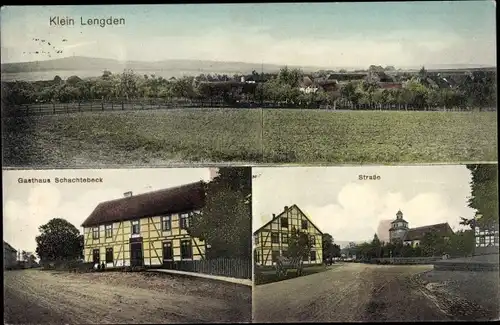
(416,66)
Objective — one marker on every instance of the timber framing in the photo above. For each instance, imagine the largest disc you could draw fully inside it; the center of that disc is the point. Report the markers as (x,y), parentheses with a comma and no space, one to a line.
(158,238)
(271,240)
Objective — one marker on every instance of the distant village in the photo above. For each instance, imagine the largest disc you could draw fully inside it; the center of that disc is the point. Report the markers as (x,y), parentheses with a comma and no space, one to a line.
(374,88)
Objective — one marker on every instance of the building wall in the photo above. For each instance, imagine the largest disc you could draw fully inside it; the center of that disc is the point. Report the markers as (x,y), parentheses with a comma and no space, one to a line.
(153,238)
(9,257)
(264,247)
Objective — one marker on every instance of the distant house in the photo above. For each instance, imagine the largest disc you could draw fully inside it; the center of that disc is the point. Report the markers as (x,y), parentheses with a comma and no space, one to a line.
(9,256)
(308,86)
(413,236)
(271,240)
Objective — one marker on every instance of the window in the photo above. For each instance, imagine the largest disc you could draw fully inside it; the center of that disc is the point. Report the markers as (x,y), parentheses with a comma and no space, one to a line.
(186,250)
(275,238)
(313,256)
(95,233)
(184,220)
(284,238)
(275,255)
(166,223)
(284,222)
(312,239)
(303,224)
(109,231)
(256,240)
(257,258)
(135,227)
(95,255)
(168,253)
(109,255)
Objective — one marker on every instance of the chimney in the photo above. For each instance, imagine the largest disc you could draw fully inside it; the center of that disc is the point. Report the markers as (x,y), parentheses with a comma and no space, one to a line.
(286,208)
(127,194)
(274,215)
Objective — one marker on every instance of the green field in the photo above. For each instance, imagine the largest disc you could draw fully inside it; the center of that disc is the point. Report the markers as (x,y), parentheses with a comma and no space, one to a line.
(159,137)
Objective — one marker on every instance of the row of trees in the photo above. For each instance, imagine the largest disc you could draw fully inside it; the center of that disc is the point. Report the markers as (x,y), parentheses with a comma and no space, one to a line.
(459,244)
(477,89)
(224,223)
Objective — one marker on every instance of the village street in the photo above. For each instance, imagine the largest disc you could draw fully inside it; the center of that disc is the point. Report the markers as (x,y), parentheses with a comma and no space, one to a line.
(35,296)
(365,292)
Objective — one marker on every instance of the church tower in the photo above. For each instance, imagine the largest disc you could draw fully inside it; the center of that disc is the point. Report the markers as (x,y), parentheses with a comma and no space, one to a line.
(399,227)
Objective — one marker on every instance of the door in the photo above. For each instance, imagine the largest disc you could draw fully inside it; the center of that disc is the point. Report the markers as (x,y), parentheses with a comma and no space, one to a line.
(95,256)
(136,258)
(168,254)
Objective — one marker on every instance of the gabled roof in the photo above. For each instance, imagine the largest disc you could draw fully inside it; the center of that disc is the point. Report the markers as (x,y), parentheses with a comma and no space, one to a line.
(281,214)
(7,246)
(172,200)
(418,233)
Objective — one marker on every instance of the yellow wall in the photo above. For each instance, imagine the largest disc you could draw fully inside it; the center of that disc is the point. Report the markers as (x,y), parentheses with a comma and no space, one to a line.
(263,247)
(152,242)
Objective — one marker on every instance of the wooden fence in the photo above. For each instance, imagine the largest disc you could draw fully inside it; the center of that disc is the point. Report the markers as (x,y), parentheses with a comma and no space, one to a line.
(153,104)
(235,268)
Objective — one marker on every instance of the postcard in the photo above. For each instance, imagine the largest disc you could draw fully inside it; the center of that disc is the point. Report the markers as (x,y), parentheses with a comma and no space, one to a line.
(364,244)
(130,245)
(267,83)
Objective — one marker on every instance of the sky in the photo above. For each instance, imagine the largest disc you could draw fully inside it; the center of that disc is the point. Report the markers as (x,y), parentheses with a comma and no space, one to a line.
(28,206)
(405,34)
(350,209)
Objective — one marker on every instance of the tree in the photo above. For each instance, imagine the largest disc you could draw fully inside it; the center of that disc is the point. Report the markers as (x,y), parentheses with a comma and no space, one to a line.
(484,194)
(225,220)
(128,84)
(376,246)
(299,244)
(59,240)
(327,243)
(462,243)
(433,244)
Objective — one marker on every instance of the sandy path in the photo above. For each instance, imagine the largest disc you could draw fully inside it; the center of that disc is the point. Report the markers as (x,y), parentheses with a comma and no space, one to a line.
(122,298)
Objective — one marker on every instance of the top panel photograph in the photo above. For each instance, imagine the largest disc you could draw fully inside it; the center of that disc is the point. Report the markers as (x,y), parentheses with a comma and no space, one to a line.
(210,84)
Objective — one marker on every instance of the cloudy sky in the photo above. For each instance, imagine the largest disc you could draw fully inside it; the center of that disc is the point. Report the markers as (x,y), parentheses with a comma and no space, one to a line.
(321,34)
(28,206)
(353,210)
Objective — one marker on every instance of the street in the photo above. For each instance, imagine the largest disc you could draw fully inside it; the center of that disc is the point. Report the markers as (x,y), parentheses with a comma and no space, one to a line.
(365,292)
(35,296)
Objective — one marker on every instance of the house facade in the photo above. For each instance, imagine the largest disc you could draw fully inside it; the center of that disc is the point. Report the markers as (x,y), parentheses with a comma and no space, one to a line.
(9,256)
(400,231)
(271,240)
(149,229)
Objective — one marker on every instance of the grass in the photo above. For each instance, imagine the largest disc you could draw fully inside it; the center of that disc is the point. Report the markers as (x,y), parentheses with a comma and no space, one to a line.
(159,137)
(268,275)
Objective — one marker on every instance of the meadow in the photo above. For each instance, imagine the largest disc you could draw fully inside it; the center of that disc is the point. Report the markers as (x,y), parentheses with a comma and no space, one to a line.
(167,137)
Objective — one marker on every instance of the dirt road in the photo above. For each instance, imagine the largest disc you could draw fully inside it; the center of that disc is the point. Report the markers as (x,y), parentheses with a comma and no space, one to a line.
(362,292)
(114,297)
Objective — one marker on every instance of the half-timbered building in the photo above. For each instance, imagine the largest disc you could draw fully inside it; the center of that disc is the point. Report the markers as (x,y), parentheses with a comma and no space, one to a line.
(271,240)
(149,229)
